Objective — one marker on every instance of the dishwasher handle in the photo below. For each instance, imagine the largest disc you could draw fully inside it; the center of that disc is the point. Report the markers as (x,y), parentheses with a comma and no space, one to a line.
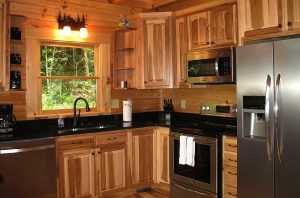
(23,150)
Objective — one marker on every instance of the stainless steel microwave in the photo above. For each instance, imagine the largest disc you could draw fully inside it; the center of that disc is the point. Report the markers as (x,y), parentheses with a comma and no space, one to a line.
(211,66)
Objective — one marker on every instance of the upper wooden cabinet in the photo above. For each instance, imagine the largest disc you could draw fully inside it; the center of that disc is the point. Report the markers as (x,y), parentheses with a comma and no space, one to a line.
(292,14)
(77,173)
(223,25)
(213,28)
(155,46)
(181,51)
(260,19)
(198,30)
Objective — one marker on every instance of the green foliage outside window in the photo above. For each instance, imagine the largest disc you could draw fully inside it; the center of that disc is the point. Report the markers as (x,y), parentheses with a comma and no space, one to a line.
(65,63)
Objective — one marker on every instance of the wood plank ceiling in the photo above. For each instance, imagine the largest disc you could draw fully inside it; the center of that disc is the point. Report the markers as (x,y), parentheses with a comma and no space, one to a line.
(143,4)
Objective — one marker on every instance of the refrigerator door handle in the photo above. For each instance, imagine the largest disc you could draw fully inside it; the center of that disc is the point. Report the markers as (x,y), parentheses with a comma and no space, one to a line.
(267,117)
(276,113)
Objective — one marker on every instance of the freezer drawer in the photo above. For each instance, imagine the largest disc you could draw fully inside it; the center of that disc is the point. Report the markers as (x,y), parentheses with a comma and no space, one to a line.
(179,190)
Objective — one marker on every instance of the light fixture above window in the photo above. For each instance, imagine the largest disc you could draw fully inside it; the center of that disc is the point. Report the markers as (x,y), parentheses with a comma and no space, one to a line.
(67,24)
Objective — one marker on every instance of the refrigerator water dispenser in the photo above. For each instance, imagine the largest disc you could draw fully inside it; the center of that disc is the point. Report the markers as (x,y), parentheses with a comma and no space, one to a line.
(254,117)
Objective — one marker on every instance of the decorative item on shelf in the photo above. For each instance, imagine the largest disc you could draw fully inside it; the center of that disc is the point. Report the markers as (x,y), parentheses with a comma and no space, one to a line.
(15,79)
(124,22)
(15,33)
(15,59)
(124,84)
(67,24)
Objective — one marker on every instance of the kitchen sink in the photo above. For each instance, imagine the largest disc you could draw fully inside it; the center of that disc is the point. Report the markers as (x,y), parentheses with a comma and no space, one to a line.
(85,128)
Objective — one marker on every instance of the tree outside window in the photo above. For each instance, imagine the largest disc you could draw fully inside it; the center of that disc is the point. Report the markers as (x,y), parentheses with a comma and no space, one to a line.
(66,73)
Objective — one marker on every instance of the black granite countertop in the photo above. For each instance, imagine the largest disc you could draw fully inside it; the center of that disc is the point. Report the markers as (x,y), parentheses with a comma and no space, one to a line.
(38,129)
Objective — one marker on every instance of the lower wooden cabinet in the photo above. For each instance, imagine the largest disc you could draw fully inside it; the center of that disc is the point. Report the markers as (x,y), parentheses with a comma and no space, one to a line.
(229,167)
(142,157)
(101,164)
(77,173)
(111,169)
(163,165)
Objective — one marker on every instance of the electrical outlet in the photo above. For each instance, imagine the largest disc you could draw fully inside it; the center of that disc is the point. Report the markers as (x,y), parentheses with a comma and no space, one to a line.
(182,104)
(115,104)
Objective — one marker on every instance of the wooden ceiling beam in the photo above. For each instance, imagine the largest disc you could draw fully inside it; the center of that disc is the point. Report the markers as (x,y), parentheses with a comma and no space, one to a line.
(143,4)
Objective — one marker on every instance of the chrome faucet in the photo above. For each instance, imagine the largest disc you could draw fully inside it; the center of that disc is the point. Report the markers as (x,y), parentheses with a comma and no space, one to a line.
(77,118)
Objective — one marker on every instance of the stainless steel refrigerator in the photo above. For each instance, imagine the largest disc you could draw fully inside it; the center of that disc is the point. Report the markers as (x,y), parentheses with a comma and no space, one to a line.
(268,89)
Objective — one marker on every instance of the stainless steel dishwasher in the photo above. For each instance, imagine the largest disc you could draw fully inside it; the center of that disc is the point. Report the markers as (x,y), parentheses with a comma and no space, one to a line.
(28,169)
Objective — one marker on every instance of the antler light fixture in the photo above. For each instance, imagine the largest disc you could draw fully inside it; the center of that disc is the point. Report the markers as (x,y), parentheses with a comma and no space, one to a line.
(67,24)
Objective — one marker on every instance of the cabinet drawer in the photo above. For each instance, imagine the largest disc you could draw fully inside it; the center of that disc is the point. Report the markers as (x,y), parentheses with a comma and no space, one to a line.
(230,159)
(230,144)
(75,142)
(230,176)
(229,192)
(111,138)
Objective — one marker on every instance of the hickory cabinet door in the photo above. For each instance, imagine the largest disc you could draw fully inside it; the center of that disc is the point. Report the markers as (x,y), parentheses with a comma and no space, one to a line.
(142,157)
(77,173)
(111,168)
(292,14)
(198,30)
(223,25)
(163,164)
(261,16)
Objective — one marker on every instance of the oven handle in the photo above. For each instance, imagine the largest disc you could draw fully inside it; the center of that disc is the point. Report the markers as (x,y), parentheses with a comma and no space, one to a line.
(193,191)
(204,139)
(217,66)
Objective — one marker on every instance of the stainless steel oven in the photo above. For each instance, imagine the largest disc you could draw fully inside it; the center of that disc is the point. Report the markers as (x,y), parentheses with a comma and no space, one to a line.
(199,180)
(211,66)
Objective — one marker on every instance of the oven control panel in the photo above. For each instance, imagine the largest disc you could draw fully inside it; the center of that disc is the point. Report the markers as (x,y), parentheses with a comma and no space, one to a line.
(224,110)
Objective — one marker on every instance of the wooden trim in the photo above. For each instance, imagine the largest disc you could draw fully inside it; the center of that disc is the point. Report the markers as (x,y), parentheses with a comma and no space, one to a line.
(262,31)
(67,44)
(68,77)
(58,111)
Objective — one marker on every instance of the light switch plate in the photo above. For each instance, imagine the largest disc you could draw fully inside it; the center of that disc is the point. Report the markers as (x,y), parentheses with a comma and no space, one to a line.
(182,104)
(115,104)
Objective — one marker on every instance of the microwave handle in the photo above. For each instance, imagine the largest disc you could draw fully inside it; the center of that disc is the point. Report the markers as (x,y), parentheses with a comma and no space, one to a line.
(217,67)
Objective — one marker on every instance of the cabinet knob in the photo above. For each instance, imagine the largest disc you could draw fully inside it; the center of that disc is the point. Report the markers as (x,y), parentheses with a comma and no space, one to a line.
(145,82)
(93,153)
(280,25)
(99,152)
(185,81)
(212,42)
(207,43)
(289,23)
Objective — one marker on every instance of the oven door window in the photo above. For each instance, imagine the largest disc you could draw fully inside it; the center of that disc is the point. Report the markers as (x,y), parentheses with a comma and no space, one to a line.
(201,170)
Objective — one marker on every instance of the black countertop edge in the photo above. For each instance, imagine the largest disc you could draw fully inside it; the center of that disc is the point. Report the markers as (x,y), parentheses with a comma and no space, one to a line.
(38,129)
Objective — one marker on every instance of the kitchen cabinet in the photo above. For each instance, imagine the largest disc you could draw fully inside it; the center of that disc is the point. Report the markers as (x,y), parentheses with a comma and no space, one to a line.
(163,174)
(142,157)
(198,30)
(111,163)
(261,19)
(124,58)
(292,14)
(229,167)
(181,52)
(76,173)
(155,47)
(223,25)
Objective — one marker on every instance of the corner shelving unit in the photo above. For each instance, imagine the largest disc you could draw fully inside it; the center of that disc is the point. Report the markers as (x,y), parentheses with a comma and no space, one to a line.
(124,58)
(17,46)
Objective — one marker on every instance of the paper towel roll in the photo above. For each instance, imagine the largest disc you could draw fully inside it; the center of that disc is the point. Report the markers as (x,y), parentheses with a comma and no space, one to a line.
(127,110)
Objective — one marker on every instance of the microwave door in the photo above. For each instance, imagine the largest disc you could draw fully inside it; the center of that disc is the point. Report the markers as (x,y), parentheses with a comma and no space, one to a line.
(202,71)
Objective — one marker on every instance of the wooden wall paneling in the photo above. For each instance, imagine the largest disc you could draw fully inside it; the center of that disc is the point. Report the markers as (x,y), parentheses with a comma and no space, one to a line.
(3,45)
(104,72)
(194,97)
(142,100)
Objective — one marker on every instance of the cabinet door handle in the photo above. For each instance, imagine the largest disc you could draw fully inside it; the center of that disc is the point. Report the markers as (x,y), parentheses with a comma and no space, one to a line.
(280,25)
(232,194)
(99,152)
(115,138)
(212,42)
(145,82)
(232,160)
(77,142)
(289,23)
(207,43)
(108,139)
(93,153)
(231,145)
(231,173)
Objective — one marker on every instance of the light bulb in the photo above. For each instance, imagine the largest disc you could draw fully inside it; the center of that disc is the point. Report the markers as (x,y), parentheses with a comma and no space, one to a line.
(83,33)
(67,31)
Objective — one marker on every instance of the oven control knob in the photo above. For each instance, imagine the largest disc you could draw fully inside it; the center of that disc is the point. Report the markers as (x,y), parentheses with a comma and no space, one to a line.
(207,108)
(203,108)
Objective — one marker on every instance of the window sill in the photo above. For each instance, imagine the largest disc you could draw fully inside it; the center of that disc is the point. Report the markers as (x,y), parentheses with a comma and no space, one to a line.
(66,115)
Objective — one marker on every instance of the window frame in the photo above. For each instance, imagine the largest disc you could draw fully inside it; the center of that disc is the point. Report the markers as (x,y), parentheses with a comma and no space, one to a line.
(40,78)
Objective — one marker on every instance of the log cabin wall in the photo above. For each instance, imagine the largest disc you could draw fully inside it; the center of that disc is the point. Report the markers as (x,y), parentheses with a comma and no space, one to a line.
(41,24)
(220,94)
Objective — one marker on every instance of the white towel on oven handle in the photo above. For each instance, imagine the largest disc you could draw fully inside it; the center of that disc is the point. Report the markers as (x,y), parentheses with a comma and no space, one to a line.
(190,151)
(182,149)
